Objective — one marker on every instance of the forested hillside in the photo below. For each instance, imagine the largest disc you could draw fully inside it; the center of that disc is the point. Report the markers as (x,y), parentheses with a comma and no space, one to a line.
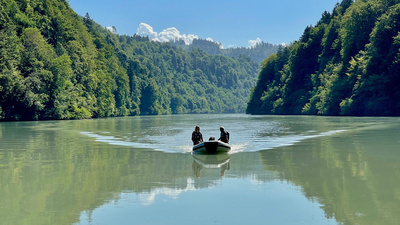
(347,64)
(257,53)
(55,64)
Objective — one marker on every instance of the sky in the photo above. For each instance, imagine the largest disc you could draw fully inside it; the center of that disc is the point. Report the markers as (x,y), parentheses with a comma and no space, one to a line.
(233,23)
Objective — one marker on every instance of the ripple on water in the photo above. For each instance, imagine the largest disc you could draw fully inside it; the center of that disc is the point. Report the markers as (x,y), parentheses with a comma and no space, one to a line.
(179,145)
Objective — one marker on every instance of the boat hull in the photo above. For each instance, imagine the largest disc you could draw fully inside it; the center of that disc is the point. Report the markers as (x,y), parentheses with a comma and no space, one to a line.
(211,147)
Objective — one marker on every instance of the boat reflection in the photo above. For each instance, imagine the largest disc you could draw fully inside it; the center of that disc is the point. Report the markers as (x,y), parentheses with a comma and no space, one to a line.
(214,161)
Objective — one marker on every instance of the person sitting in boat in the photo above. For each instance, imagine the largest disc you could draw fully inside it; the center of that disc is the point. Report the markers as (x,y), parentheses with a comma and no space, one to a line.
(197,137)
(224,137)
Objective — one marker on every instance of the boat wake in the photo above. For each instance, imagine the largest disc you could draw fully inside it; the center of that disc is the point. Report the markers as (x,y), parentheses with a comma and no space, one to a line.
(176,145)
(259,144)
(144,143)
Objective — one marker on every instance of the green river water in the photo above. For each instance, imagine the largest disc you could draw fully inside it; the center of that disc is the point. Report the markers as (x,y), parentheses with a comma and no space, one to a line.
(140,170)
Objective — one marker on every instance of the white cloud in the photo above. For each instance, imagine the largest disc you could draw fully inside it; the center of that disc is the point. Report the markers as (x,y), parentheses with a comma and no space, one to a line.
(253,43)
(146,30)
(172,33)
(209,39)
(166,35)
(169,34)
(112,29)
(188,38)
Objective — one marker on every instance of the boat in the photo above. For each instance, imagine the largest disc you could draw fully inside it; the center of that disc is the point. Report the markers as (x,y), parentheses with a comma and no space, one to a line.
(211,147)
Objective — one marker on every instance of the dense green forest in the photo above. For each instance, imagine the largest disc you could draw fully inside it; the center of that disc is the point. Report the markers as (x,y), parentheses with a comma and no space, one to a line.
(257,53)
(347,64)
(55,64)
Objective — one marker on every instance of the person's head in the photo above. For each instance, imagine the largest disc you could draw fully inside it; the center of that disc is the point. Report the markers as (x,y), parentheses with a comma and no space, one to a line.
(221,128)
(197,128)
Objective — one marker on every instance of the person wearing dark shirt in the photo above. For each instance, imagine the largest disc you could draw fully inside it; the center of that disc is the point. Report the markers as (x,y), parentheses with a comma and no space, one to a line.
(197,137)
(224,137)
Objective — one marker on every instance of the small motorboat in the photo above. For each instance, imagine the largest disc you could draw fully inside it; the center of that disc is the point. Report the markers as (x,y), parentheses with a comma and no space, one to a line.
(211,147)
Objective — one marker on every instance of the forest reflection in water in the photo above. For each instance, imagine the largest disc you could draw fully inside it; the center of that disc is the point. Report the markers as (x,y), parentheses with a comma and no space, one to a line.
(319,170)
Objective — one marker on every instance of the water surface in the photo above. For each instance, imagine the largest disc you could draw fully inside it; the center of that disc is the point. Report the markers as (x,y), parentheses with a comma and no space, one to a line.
(139,170)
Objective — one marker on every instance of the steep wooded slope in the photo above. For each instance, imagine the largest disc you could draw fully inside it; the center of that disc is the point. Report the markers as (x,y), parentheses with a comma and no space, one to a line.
(347,64)
(58,65)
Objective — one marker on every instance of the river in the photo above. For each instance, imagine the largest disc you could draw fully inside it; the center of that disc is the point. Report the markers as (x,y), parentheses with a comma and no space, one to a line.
(140,170)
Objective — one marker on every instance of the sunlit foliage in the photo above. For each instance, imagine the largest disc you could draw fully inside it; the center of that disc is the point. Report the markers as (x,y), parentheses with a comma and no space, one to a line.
(347,64)
(55,64)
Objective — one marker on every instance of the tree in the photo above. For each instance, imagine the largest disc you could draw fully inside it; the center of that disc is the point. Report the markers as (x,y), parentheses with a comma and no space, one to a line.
(148,102)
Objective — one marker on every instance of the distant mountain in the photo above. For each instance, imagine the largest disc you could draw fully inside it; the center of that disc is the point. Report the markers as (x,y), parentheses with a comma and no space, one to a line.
(347,64)
(257,53)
